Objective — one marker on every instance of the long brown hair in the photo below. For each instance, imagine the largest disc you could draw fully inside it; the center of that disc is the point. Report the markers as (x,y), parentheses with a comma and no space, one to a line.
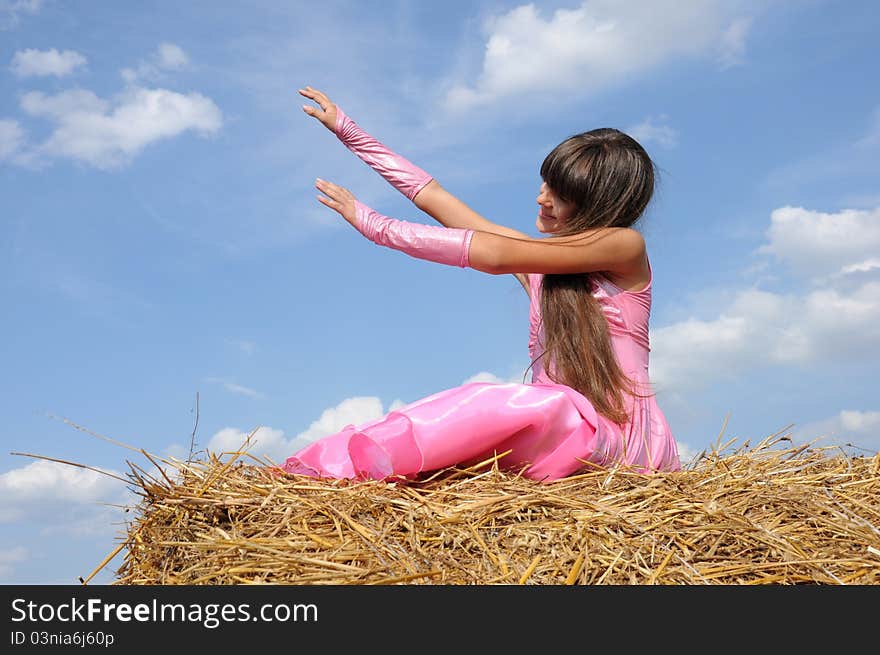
(610,178)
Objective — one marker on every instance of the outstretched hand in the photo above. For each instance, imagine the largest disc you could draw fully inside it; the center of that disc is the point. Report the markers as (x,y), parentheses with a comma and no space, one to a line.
(338,199)
(326,110)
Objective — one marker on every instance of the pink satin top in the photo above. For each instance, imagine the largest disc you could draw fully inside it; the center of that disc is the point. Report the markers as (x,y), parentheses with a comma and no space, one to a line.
(646,437)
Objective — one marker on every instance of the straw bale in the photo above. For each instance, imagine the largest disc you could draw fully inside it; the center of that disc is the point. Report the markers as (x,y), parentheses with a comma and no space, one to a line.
(773,514)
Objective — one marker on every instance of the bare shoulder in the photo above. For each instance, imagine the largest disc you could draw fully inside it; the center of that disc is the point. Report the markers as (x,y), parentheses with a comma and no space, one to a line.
(626,248)
(626,244)
(633,272)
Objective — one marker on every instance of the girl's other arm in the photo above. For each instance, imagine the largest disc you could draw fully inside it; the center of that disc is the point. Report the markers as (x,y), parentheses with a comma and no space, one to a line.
(449,211)
(620,251)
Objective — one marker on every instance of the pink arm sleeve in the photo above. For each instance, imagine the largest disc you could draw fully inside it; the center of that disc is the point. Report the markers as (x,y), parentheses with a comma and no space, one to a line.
(402,174)
(444,245)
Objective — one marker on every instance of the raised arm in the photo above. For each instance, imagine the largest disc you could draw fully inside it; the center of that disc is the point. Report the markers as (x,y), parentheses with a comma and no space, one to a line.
(417,185)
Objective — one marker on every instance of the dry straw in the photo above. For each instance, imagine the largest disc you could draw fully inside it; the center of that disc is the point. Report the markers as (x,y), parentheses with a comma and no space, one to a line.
(772,514)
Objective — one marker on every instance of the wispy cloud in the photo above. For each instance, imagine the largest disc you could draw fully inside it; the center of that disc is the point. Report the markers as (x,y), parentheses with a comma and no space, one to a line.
(841,162)
(233,387)
(245,391)
(60,273)
(732,46)
(654,130)
(40,63)
(11,138)
(872,137)
(168,57)
(11,11)
(247,347)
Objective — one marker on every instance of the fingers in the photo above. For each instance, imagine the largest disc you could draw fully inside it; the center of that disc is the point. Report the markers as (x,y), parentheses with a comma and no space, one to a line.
(339,199)
(335,205)
(333,191)
(312,111)
(310,94)
(317,96)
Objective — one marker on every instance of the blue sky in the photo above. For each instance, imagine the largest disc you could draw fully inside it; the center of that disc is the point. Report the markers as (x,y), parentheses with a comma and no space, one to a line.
(160,237)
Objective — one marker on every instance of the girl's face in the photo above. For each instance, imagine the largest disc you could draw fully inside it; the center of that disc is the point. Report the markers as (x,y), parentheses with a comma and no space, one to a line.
(553,211)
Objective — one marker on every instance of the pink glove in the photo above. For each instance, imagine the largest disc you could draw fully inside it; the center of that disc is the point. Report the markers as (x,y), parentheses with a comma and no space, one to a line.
(444,245)
(399,172)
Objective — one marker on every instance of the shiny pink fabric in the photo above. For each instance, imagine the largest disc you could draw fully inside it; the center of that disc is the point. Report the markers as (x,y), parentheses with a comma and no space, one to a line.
(401,173)
(645,441)
(443,245)
(551,430)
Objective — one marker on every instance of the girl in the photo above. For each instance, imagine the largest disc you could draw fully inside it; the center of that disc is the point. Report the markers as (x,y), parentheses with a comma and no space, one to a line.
(589,283)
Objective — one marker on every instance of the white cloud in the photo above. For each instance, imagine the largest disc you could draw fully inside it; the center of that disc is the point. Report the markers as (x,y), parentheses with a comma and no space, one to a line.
(10,556)
(816,243)
(825,323)
(11,11)
(732,46)
(271,442)
(11,138)
(264,441)
(45,487)
(74,101)
(654,130)
(485,376)
(29,63)
(597,44)
(862,422)
(351,411)
(108,134)
(761,328)
(694,352)
(168,57)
